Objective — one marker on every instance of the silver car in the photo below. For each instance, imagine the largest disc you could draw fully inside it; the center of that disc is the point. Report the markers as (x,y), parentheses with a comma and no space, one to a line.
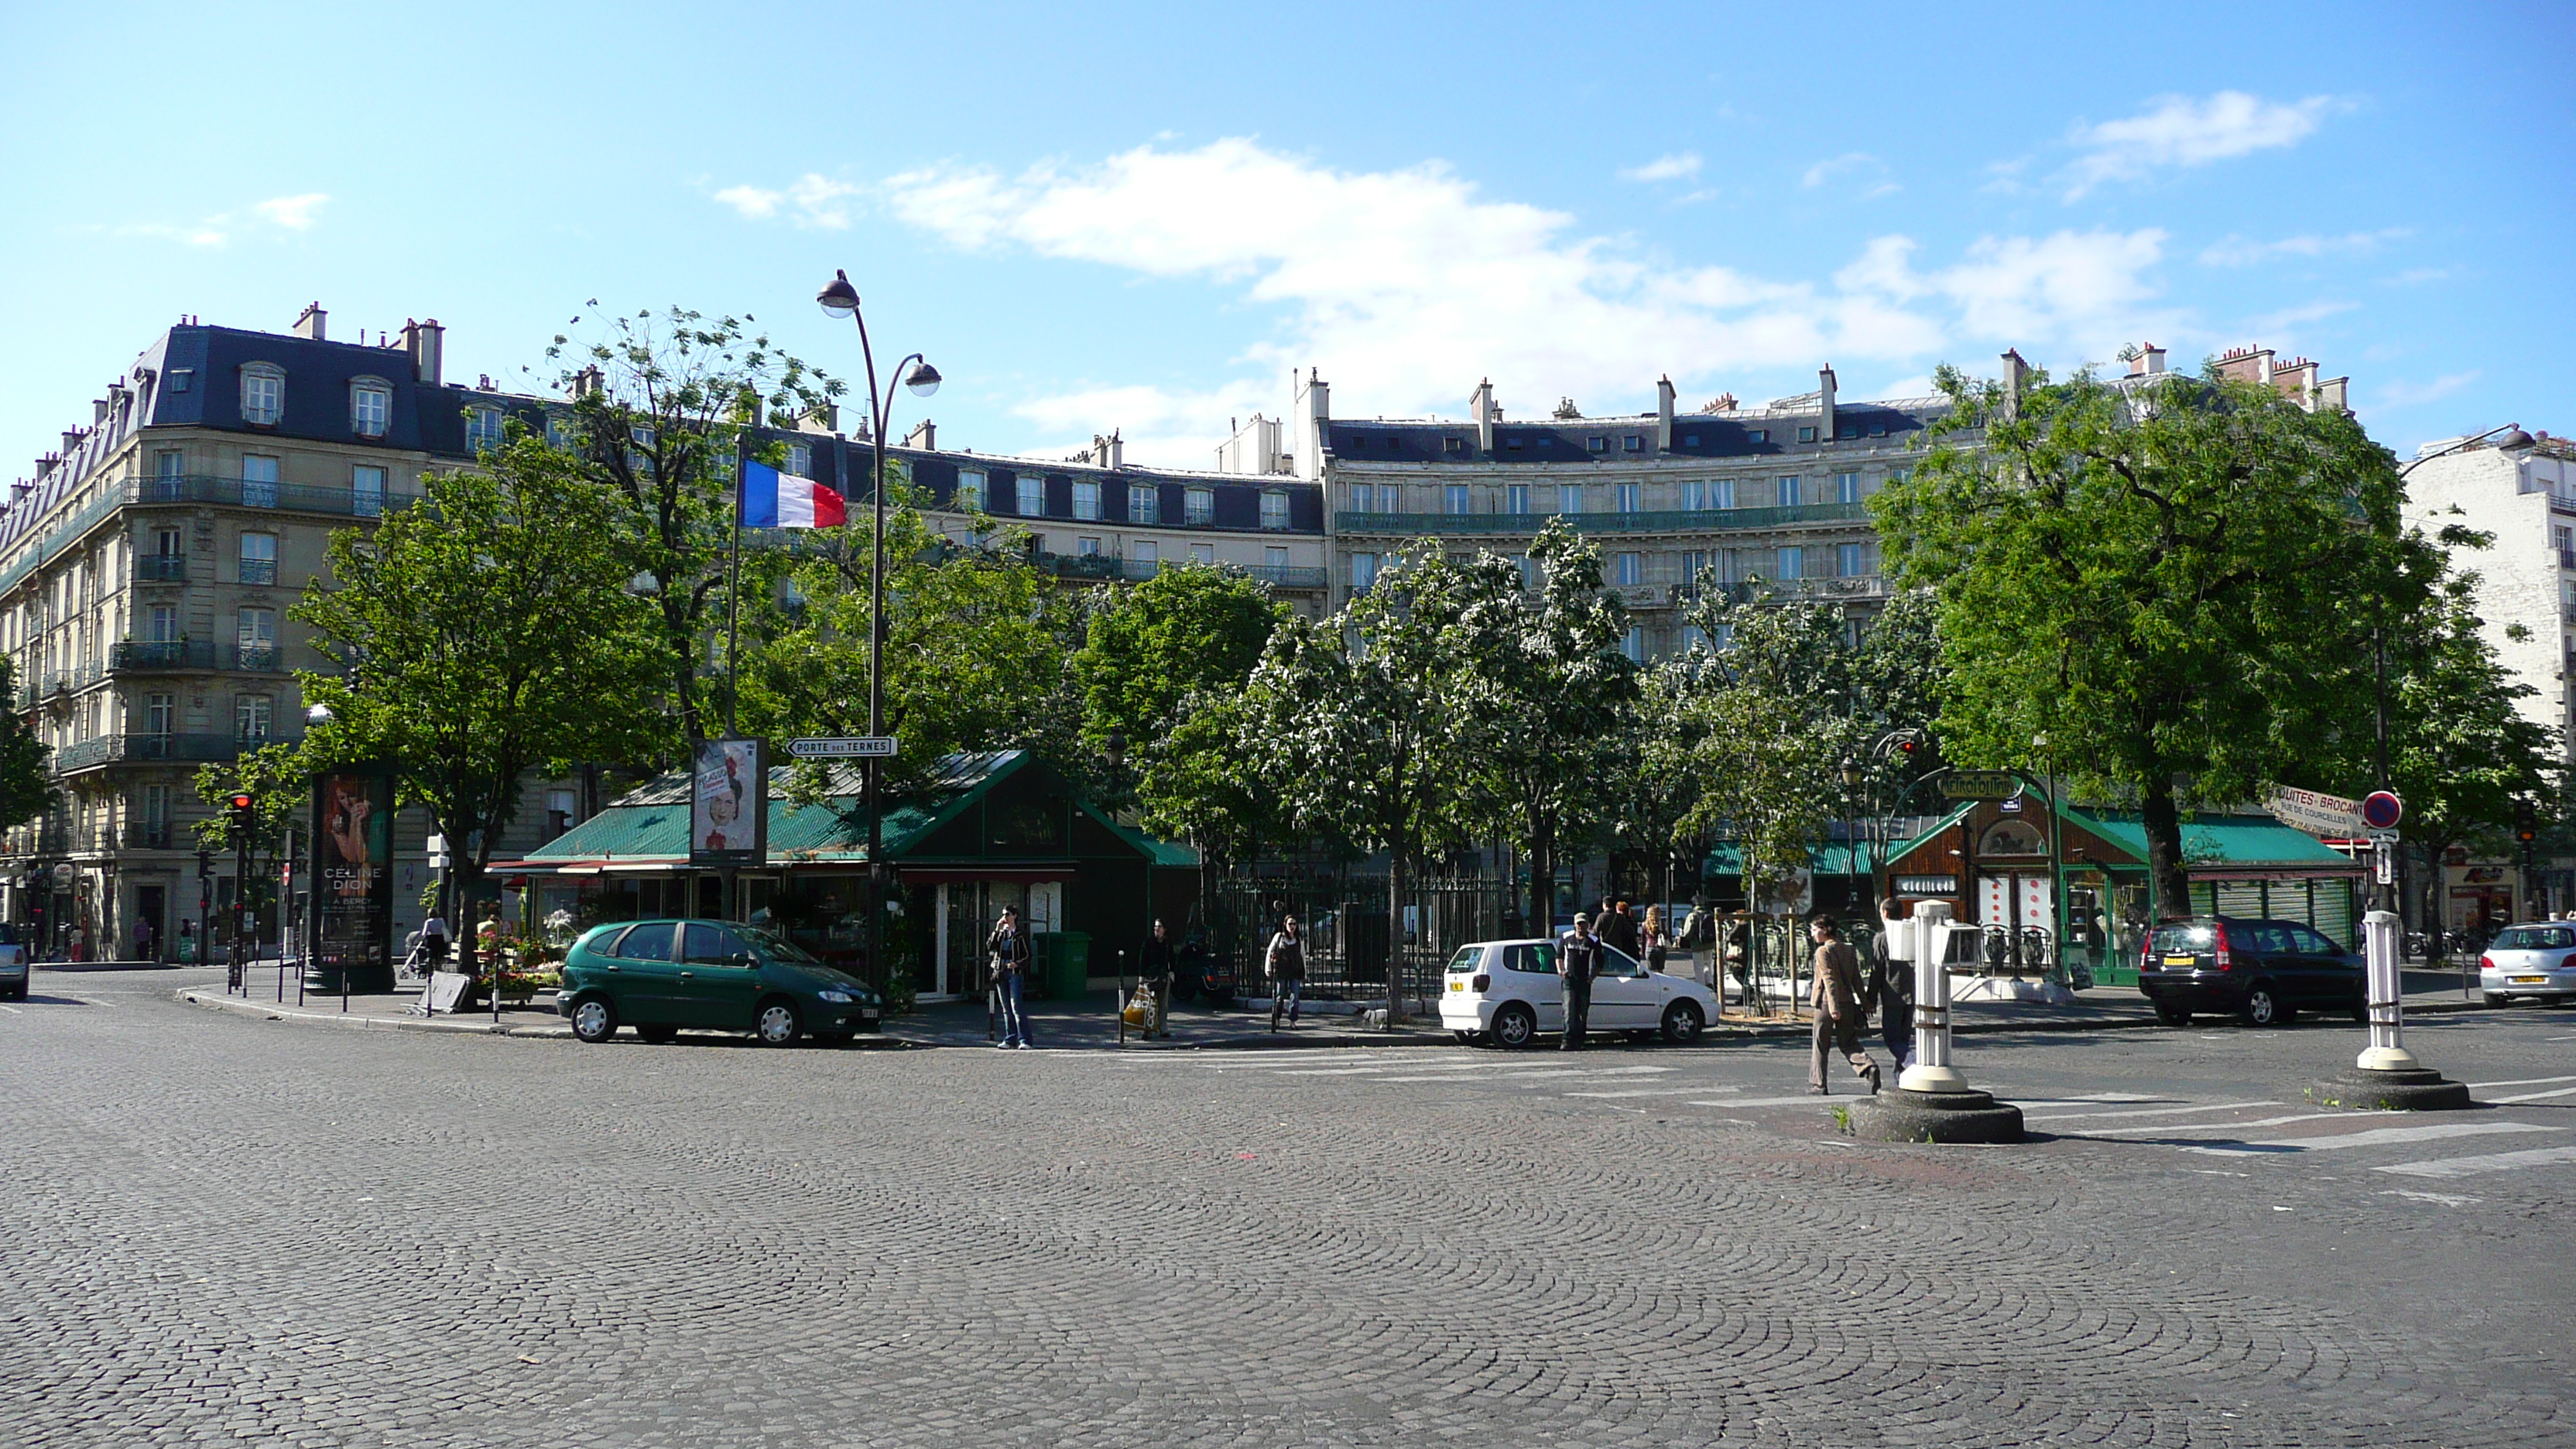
(13,966)
(2537,960)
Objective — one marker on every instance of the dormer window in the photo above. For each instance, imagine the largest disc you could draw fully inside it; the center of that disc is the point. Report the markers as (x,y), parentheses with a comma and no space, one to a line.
(483,430)
(263,394)
(371,407)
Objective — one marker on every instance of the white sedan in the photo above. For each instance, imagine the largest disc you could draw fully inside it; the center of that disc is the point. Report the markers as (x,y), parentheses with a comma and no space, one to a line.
(1507,993)
(2536,960)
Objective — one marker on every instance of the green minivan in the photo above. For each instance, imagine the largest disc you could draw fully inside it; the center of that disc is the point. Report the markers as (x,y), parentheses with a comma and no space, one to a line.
(660,976)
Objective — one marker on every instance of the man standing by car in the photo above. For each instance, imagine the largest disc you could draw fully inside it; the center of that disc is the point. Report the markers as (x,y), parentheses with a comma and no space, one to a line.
(1155,962)
(1285,965)
(1007,955)
(1837,1003)
(1578,960)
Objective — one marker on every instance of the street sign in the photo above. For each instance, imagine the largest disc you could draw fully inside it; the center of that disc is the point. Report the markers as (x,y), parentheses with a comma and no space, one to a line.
(1981,785)
(2330,816)
(843,747)
(2381,810)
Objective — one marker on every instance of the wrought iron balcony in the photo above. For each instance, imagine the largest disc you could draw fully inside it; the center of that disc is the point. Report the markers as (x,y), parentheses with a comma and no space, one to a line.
(138,655)
(161,568)
(1689,521)
(259,571)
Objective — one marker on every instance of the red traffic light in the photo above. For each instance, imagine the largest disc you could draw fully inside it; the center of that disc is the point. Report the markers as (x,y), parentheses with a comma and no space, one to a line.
(242,802)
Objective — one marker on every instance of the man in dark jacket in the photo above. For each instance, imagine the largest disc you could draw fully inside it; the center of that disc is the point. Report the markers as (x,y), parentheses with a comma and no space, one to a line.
(1578,960)
(1619,931)
(1892,985)
(1007,954)
(1155,962)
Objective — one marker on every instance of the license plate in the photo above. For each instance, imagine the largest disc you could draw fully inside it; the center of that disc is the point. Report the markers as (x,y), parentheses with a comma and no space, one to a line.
(2180,960)
(2531,981)
(1457,985)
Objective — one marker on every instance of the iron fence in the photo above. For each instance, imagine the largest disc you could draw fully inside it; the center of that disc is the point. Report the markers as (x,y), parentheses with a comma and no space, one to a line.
(1350,943)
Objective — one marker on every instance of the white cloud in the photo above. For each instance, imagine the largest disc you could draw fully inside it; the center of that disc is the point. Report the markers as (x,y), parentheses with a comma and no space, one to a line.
(2239,251)
(1406,286)
(1679,166)
(2407,394)
(292,212)
(2276,325)
(816,200)
(1851,163)
(2179,131)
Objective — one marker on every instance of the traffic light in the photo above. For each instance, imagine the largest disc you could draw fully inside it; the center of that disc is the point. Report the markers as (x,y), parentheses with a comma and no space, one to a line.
(240,813)
(2526,823)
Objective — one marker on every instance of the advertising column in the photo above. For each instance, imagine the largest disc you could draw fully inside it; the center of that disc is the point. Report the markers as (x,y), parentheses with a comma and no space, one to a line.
(353,881)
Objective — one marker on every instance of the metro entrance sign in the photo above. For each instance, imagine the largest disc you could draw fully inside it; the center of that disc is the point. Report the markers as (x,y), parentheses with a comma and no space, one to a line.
(843,747)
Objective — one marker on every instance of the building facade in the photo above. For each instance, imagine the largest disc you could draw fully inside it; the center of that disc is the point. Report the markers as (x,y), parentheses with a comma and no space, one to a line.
(146,572)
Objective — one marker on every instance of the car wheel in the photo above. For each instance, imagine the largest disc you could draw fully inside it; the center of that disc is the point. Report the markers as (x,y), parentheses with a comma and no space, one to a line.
(2172,1015)
(779,1023)
(594,1020)
(1683,1023)
(2263,1006)
(1515,1026)
(658,1033)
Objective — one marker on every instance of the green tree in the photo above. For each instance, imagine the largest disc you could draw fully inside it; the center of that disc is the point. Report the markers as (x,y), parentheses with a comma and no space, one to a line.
(1151,646)
(660,401)
(485,632)
(2161,579)
(281,792)
(1656,780)
(1363,719)
(1548,697)
(26,781)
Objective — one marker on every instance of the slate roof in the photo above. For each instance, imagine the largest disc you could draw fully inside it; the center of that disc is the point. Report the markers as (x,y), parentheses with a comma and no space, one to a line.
(2230,842)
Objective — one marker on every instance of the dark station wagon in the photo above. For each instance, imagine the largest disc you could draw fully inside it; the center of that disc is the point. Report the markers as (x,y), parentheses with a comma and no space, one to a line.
(2264,973)
(660,976)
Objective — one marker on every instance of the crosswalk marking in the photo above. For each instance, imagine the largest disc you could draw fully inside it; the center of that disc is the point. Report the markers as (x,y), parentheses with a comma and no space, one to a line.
(2167,1128)
(2146,1112)
(1644,1092)
(2521,1082)
(1810,1097)
(2376,1137)
(2532,1096)
(2492,1162)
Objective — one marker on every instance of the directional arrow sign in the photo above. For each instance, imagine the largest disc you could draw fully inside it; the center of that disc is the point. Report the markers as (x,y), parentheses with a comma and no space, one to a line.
(843,747)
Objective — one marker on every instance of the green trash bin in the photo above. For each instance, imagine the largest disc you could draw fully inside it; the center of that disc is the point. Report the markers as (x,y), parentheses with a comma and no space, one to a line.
(1063,961)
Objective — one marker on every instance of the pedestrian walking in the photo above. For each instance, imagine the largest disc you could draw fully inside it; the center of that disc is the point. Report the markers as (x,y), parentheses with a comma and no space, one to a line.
(433,942)
(142,940)
(1285,966)
(1656,938)
(1618,930)
(1155,961)
(1836,998)
(1892,987)
(1578,960)
(1006,958)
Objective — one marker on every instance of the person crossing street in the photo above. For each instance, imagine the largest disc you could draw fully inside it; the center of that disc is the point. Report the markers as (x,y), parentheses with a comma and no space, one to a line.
(1285,965)
(1836,999)
(1578,960)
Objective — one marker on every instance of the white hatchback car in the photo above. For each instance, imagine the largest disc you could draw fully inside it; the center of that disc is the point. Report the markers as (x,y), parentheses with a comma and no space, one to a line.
(2536,960)
(1507,992)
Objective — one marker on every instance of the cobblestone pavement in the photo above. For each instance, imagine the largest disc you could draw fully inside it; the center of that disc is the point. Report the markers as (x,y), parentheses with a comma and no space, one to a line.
(219,1227)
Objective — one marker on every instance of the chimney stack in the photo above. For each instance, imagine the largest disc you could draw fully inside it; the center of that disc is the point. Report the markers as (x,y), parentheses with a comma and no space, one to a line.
(1825,402)
(1314,409)
(1117,449)
(309,322)
(425,342)
(2016,375)
(589,382)
(924,435)
(2149,361)
(97,411)
(1481,403)
(1664,414)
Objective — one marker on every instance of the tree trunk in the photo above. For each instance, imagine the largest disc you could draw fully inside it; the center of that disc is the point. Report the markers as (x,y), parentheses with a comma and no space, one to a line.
(2162,821)
(1542,879)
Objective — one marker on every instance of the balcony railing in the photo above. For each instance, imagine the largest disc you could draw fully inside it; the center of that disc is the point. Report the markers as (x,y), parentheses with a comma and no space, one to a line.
(1294,577)
(187,748)
(161,568)
(143,656)
(255,657)
(147,837)
(197,488)
(1705,520)
(259,571)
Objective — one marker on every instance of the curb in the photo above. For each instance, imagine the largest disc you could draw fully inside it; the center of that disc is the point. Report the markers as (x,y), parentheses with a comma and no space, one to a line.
(272,1011)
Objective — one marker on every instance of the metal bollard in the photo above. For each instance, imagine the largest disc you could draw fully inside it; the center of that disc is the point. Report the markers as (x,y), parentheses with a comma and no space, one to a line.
(1928,931)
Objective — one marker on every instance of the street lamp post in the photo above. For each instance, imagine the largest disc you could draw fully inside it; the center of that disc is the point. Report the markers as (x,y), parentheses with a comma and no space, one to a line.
(839,299)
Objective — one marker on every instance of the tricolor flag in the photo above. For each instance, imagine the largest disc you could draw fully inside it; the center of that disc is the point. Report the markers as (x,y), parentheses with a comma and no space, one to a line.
(771,499)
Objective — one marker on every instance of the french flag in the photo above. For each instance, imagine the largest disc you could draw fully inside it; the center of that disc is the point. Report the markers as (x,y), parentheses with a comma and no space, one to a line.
(771,499)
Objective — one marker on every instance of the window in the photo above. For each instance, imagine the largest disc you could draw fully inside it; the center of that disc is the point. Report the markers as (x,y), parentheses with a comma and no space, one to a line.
(263,394)
(259,558)
(1274,559)
(164,625)
(712,946)
(1274,509)
(1629,495)
(648,942)
(1793,563)
(1363,497)
(560,809)
(170,464)
(1633,643)
(1806,435)
(1529,571)
(1032,497)
(1087,547)
(1851,560)
(259,481)
(1694,563)
(1148,553)
(1636,443)
(483,430)
(1144,503)
(1203,554)
(1512,443)
(1629,570)
(1789,491)
(1597,444)
(1690,440)
(158,712)
(1516,497)
(258,646)
(371,407)
(1569,498)
(1846,487)
(1453,445)
(367,491)
(970,491)
(250,718)
(1086,498)
(1363,571)
(1198,506)
(156,815)
(1453,499)
(1757,435)
(1694,639)
(800,460)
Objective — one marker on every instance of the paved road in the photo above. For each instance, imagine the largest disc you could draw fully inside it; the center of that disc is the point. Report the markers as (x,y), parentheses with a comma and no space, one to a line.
(218,1227)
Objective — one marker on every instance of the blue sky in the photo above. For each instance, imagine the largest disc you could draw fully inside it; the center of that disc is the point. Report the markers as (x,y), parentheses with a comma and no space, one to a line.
(1143,217)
